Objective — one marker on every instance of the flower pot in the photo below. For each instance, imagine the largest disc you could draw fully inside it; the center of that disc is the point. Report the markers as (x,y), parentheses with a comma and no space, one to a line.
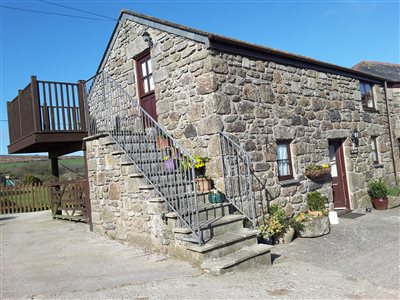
(317,173)
(287,236)
(314,213)
(380,203)
(169,165)
(215,198)
(203,184)
(333,218)
(315,227)
(162,143)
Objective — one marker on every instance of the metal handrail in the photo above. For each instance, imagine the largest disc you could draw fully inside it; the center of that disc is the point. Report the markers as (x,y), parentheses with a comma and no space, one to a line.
(163,161)
(238,179)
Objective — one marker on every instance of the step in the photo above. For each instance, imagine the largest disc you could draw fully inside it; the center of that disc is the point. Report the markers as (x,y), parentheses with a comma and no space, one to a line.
(226,244)
(213,228)
(248,257)
(207,211)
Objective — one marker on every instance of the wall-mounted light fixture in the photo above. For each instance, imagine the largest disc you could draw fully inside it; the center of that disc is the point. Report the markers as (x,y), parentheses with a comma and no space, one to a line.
(147,39)
(355,137)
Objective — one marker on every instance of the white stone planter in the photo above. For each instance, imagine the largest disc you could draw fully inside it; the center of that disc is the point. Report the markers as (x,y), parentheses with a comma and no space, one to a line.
(315,227)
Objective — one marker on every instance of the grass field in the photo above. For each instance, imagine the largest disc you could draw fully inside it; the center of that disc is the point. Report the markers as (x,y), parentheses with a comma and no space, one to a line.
(42,168)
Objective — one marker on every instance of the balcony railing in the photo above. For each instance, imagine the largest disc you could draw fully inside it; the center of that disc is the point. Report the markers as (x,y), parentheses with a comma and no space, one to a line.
(46,107)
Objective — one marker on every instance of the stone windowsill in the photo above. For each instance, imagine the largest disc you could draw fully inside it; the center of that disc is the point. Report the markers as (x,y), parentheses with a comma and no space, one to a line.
(371,110)
(289,182)
(378,166)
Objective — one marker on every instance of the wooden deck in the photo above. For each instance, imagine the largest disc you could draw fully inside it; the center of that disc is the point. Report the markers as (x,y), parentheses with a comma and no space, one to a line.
(47,116)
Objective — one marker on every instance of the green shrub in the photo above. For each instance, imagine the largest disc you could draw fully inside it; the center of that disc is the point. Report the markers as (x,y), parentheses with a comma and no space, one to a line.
(30,179)
(394,191)
(378,189)
(315,201)
(276,211)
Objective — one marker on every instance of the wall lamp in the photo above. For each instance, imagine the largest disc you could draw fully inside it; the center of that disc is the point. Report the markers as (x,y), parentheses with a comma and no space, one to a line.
(355,137)
(147,39)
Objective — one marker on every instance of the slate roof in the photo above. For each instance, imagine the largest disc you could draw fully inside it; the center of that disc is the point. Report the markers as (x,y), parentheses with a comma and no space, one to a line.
(385,70)
(246,47)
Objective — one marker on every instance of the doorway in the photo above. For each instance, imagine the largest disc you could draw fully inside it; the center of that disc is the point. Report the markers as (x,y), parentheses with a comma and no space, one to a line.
(147,97)
(338,173)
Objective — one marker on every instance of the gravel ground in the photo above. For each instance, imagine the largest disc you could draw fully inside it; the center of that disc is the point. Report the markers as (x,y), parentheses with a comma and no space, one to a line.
(46,259)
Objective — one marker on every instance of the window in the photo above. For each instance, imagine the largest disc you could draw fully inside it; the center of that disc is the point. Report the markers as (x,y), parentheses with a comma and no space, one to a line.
(285,170)
(374,150)
(145,73)
(367,95)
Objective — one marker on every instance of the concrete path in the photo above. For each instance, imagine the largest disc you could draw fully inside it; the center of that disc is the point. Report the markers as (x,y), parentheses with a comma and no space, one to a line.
(46,259)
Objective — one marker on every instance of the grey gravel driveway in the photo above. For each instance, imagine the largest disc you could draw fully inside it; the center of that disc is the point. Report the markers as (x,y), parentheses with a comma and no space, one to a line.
(46,259)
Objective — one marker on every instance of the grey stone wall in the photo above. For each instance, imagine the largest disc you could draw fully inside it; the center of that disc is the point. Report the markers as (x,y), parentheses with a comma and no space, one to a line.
(184,87)
(394,95)
(122,207)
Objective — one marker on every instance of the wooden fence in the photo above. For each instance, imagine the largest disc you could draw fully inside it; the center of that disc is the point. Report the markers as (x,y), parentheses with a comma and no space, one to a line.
(24,198)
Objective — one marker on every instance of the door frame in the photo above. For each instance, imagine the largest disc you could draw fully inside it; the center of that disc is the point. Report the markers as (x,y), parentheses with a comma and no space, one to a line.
(139,83)
(341,154)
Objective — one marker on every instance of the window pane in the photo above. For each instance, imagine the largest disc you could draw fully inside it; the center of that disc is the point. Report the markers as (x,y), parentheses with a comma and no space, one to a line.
(150,66)
(362,89)
(332,157)
(283,160)
(283,168)
(282,151)
(145,86)
(374,150)
(144,71)
(151,82)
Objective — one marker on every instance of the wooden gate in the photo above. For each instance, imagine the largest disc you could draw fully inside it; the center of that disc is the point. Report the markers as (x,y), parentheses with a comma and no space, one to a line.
(70,201)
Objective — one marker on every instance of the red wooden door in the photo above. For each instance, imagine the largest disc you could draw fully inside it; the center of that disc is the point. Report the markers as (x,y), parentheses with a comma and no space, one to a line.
(338,173)
(147,98)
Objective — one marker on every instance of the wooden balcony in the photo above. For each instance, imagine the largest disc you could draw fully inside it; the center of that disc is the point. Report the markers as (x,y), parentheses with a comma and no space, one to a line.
(47,116)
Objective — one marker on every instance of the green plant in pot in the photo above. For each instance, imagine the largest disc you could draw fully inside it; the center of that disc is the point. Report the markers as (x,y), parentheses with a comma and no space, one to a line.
(277,227)
(316,203)
(378,191)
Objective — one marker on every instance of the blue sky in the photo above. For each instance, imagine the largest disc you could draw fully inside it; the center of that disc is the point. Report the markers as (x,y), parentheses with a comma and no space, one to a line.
(68,49)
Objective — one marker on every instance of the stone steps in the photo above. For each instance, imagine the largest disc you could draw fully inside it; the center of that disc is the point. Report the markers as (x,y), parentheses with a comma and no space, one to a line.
(227,244)
(248,257)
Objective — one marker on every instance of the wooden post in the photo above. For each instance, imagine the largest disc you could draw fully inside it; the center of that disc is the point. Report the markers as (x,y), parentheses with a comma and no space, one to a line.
(55,177)
(54,169)
(82,106)
(35,104)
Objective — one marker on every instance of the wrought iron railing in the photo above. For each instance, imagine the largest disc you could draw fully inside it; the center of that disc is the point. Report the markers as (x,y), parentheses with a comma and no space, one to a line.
(167,166)
(238,179)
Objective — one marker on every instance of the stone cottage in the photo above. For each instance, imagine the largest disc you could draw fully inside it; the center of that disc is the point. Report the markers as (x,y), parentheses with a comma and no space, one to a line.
(261,115)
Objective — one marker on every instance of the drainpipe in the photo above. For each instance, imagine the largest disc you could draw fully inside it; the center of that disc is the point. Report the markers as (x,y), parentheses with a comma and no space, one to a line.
(390,133)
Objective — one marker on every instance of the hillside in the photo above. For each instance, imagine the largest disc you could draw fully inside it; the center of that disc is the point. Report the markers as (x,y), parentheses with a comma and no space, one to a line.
(18,166)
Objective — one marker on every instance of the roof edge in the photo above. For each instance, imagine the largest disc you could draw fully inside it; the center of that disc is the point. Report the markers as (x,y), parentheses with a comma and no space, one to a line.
(286,56)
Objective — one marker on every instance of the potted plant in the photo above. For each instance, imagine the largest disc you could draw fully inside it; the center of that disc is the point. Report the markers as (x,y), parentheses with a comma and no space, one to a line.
(378,191)
(200,165)
(169,163)
(277,227)
(162,142)
(314,171)
(316,203)
(315,221)
(215,196)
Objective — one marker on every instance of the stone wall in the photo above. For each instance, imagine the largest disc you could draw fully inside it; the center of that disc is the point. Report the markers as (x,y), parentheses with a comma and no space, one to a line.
(123,208)
(184,86)
(266,102)
(394,93)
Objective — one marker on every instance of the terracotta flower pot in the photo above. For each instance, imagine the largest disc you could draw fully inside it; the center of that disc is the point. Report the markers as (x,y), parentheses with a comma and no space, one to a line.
(380,203)
(203,184)
(314,213)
